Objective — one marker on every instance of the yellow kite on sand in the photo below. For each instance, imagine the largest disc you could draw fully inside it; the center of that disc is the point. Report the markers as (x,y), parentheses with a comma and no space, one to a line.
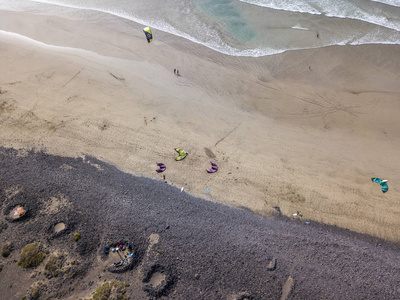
(182,154)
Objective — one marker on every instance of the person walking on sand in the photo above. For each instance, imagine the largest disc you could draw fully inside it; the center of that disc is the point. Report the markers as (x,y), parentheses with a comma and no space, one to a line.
(177,72)
(174,71)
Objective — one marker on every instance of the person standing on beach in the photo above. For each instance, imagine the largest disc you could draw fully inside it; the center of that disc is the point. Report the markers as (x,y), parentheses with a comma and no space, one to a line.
(174,71)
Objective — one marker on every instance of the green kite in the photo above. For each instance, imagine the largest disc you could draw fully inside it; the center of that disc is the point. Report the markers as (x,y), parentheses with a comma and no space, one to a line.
(182,154)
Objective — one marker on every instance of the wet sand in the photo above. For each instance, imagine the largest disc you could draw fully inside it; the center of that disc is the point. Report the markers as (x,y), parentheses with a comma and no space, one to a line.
(300,131)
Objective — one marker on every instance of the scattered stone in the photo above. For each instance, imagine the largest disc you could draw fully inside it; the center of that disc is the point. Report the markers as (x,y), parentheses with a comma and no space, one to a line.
(59,227)
(297,215)
(159,281)
(237,263)
(271,264)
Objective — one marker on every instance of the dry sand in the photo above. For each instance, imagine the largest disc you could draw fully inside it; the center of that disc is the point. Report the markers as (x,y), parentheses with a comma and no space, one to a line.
(304,130)
(183,247)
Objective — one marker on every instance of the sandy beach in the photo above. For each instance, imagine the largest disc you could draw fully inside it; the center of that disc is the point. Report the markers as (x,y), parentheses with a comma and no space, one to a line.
(183,247)
(303,131)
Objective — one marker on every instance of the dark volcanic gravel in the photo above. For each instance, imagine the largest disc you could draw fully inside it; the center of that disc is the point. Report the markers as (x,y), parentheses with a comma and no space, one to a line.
(209,251)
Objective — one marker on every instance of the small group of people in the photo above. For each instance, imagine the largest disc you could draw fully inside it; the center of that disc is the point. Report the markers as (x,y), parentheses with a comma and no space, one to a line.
(120,247)
(176,72)
(120,250)
(121,262)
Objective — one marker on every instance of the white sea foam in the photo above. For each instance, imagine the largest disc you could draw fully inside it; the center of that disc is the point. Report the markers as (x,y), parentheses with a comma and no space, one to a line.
(299,27)
(298,20)
(389,2)
(367,11)
(289,5)
(214,42)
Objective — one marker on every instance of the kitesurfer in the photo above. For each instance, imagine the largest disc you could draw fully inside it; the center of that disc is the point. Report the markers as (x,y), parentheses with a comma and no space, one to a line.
(148,34)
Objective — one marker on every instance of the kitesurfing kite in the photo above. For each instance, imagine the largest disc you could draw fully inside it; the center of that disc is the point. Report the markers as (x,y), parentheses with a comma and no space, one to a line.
(149,35)
(161,167)
(19,211)
(182,154)
(214,168)
(382,183)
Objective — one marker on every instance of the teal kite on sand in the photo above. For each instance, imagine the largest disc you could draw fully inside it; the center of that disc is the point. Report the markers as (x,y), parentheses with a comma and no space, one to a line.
(382,183)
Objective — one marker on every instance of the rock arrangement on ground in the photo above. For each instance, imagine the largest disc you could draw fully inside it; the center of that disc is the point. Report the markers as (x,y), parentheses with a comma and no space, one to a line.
(71,217)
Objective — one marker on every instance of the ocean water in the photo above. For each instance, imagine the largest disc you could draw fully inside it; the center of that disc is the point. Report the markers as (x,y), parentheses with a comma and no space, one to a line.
(248,27)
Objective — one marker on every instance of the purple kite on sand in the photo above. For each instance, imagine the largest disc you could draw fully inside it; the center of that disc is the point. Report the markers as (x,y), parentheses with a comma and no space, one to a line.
(214,168)
(161,167)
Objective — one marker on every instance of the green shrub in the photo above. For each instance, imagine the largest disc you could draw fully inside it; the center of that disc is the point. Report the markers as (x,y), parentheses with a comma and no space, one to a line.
(77,236)
(6,250)
(34,294)
(55,263)
(111,290)
(31,256)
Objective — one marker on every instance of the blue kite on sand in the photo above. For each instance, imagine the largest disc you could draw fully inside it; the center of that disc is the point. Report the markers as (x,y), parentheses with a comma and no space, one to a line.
(382,183)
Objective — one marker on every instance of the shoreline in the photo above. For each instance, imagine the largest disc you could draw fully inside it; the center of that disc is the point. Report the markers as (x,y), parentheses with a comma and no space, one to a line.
(297,138)
(304,36)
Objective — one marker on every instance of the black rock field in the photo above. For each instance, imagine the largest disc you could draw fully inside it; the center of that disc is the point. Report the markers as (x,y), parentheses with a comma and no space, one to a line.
(183,247)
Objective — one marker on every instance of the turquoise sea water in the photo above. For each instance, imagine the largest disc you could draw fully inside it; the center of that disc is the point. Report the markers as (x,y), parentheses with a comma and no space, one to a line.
(248,27)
